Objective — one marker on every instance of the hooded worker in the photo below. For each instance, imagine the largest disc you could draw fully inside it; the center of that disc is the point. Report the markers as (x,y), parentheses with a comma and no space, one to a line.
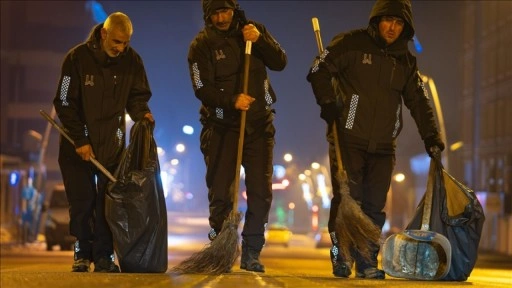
(375,76)
(216,72)
(211,6)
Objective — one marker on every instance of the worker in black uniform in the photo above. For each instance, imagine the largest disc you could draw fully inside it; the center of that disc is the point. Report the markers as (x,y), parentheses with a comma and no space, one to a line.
(374,76)
(216,66)
(101,80)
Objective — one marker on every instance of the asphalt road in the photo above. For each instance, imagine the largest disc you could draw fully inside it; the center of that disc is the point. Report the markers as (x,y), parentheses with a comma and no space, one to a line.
(300,265)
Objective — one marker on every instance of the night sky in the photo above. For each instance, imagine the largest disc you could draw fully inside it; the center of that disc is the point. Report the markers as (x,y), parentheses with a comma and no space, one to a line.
(163,31)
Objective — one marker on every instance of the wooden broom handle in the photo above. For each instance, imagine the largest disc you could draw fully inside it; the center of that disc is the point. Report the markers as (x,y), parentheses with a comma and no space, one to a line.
(316,28)
(243,116)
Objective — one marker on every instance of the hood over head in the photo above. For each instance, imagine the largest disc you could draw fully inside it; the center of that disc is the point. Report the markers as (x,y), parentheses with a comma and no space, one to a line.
(398,8)
(209,6)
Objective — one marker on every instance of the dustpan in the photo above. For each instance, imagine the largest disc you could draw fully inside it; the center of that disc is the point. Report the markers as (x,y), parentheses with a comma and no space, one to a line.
(419,254)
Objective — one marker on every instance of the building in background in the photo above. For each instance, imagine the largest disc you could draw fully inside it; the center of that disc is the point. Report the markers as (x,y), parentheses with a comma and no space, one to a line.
(483,157)
(35,36)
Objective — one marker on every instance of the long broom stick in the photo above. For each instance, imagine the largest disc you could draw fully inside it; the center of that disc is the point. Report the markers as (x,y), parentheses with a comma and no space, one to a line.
(219,256)
(63,133)
(353,227)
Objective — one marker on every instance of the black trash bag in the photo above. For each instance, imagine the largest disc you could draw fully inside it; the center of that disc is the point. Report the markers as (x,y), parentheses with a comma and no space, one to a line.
(135,206)
(458,215)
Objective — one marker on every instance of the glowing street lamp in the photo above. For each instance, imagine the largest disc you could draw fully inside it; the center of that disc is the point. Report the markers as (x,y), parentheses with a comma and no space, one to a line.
(160,151)
(291,208)
(188,130)
(180,148)
(456,146)
(322,185)
(307,186)
(399,177)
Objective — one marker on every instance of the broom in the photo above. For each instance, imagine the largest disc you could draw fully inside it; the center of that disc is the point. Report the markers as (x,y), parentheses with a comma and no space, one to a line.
(353,227)
(219,256)
(63,133)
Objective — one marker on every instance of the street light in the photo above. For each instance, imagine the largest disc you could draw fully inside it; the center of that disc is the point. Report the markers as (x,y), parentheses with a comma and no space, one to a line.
(399,177)
(187,129)
(180,148)
(456,146)
(322,179)
(291,208)
(439,114)
(307,186)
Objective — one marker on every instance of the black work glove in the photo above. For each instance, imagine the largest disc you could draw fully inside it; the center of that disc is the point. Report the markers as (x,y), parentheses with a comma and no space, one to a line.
(431,142)
(330,112)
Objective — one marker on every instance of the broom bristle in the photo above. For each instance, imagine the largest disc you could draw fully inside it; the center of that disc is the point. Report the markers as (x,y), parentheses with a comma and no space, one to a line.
(354,228)
(218,256)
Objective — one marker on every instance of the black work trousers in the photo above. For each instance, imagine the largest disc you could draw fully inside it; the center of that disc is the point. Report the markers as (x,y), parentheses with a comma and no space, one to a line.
(369,177)
(219,145)
(85,189)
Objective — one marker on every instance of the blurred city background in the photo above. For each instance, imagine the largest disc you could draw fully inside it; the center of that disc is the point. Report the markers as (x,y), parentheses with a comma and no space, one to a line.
(463,53)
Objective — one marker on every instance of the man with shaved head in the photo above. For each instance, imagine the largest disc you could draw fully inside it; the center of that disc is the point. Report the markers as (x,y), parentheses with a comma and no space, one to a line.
(102,79)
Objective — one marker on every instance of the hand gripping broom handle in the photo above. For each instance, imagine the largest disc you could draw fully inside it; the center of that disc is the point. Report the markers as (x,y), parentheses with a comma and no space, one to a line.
(93,160)
(316,28)
(247,62)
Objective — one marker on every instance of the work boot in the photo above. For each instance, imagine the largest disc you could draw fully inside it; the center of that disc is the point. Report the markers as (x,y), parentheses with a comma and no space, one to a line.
(81,265)
(340,266)
(371,273)
(106,265)
(368,269)
(250,259)
(82,256)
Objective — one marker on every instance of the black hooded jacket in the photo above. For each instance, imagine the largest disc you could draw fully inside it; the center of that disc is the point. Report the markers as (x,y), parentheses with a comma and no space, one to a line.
(94,92)
(372,81)
(216,63)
